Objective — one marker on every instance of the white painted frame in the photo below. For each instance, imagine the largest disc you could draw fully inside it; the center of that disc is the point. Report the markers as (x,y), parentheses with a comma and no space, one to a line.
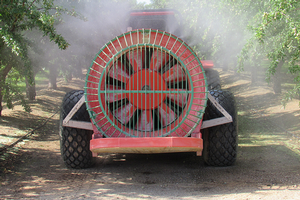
(77,124)
(205,124)
(217,121)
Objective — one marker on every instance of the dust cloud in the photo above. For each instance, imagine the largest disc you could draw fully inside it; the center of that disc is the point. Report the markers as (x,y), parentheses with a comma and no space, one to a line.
(210,30)
(200,25)
(99,22)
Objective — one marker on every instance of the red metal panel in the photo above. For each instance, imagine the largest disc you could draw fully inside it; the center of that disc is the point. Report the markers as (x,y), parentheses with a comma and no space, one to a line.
(207,64)
(146,144)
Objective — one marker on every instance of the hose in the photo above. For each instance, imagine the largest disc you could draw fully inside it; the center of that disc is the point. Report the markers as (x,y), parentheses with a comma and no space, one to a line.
(3,149)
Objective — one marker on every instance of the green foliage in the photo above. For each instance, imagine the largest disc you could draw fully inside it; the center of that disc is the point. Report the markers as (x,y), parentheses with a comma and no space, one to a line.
(17,17)
(9,85)
(21,15)
(12,92)
(277,31)
(85,36)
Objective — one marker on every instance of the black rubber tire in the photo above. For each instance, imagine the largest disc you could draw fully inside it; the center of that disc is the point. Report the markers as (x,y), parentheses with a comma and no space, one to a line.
(75,143)
(213,79)
(220,142)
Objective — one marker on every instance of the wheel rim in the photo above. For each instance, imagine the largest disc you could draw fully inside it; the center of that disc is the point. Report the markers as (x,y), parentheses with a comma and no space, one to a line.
(141,88)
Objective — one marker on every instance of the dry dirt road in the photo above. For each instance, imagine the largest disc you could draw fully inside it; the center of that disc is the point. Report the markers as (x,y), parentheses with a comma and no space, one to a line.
(267,167)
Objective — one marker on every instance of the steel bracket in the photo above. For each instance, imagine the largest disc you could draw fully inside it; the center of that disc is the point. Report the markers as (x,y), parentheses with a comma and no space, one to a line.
(217,121)
(88,125)
(77,124)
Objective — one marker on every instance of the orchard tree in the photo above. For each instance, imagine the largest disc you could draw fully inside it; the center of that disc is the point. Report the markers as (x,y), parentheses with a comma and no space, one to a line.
(16,17)
(279,32)
(86,35)
(10,76)
(276,29)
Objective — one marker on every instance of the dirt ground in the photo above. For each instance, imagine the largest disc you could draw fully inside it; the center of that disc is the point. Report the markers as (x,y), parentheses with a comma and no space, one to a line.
(267,167)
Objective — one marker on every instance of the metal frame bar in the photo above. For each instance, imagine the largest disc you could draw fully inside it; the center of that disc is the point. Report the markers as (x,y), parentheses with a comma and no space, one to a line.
(79,124)
(217,121)
(76,124)
(205,124)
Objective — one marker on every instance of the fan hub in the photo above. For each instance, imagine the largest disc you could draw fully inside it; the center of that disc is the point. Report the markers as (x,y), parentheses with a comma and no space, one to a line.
(147,89)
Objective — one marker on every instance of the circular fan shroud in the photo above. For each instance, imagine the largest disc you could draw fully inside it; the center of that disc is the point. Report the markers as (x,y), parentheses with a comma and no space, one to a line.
(146,83)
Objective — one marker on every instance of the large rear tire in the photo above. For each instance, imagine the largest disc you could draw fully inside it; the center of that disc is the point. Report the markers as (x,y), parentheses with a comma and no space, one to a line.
(220,142)
(213,79)
(75,143)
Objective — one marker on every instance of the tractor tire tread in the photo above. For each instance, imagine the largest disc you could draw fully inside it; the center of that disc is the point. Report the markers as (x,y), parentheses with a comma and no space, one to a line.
(213,79)
(220,142)
(75,143)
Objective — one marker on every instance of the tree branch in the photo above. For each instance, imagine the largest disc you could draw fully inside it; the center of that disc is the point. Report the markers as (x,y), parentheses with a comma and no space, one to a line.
(31,4)
(4,72)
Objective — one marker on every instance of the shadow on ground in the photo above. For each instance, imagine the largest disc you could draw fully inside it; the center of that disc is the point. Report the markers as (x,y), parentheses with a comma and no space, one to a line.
(132,176)
(264,162)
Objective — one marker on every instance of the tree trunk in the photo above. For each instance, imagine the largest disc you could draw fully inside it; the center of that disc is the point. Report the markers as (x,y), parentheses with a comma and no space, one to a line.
(1,97)
(30,89)
(253,74)
(68,76)
(235,64)
(277,79)
(52,78)
(254,69)
(3,74)
(225,66)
